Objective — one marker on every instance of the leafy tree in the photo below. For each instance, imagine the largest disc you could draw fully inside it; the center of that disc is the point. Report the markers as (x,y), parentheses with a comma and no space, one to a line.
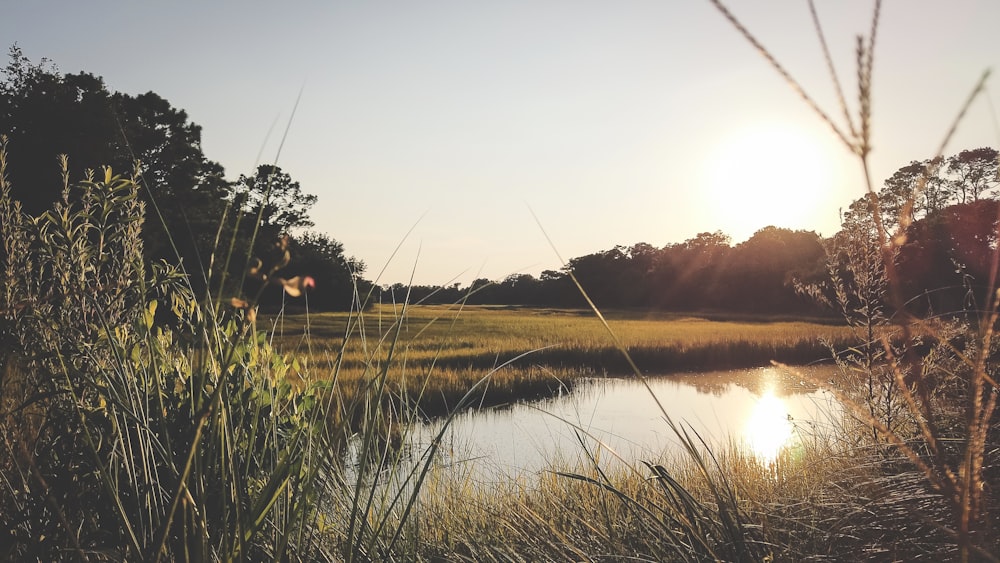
(599,274)
(520,289)
(973,174)
(279,202)
(913,191)
(946,263)
(337,276)
(45,114)
(686,275)
(947,217)
(762,271)
(483,290)
(188,190)
(922,188)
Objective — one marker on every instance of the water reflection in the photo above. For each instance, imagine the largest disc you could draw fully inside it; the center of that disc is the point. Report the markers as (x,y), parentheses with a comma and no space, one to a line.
(759,408)
(768,429)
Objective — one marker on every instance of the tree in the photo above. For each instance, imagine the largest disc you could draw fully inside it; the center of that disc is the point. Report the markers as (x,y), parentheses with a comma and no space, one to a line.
(271,195)
(337,276)
(188,190)
(973,174)
(922,189)
(599,274)
(912,192)
(520,289)
(763,270)
(278,199)
(45,114)
(685,275)
(947,260)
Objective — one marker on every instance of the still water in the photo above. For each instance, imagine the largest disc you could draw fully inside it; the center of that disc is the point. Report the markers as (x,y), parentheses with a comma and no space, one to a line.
(763,410)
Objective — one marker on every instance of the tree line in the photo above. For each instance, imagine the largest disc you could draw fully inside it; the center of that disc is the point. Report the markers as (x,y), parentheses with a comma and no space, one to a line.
(942,212)
(194,215)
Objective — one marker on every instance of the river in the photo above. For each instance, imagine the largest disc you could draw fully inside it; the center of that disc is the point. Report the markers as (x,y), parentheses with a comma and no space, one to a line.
(617,419)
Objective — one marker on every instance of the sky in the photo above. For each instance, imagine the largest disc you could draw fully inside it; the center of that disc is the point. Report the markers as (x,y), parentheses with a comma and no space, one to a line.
(449,140)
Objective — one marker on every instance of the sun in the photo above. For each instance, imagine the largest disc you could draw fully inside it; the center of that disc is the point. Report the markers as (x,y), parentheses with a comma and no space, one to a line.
(769,174)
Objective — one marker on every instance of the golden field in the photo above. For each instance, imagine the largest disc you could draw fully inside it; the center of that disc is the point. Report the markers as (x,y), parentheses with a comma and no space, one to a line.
(437,353)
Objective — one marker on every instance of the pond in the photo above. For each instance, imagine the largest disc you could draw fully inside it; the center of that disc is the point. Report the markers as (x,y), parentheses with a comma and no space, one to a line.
(762,409)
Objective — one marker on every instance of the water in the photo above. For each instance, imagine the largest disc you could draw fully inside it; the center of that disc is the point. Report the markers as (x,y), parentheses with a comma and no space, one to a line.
(761,409)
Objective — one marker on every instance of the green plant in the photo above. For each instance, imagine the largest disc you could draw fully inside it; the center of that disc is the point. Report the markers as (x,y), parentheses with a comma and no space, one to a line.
(148,438)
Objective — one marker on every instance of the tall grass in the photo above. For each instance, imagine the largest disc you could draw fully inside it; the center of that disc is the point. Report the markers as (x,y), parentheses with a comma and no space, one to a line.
(951,454)
(140,423)
(148,439)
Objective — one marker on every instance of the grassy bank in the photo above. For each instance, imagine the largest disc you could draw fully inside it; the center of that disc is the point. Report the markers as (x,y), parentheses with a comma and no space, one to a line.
(829,500)
(442,351)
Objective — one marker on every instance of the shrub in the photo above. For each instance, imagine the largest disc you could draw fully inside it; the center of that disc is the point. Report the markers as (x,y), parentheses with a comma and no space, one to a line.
(126,438)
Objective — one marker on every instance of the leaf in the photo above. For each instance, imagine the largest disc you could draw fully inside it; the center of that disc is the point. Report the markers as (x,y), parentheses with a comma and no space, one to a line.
(150,314)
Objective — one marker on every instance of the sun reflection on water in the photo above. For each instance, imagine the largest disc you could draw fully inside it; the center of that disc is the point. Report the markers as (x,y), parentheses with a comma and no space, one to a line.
(768,429)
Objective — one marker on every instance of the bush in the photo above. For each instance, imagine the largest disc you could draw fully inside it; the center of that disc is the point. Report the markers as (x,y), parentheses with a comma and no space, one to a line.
(129,439)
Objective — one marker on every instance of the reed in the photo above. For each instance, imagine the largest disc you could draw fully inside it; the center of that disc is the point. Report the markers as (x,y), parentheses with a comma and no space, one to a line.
(952,454)
(131,433)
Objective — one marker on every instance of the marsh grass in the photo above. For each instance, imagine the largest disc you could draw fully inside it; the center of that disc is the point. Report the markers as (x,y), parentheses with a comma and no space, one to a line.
(443,351)
(833,497)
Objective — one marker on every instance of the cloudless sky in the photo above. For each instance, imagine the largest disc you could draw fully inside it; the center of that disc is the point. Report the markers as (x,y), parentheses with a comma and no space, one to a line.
(613,122)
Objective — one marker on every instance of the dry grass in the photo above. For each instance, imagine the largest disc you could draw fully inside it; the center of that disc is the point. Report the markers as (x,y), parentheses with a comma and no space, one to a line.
(439,352)
(827,499)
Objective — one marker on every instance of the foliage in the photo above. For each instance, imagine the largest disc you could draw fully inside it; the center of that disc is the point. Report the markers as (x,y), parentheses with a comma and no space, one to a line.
(128,439)
(46,114)
(338,277)
(702,273)
(191,205)
(277,201)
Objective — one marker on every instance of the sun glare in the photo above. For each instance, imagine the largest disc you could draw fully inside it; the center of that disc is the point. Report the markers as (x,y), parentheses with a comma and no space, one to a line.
(768,428)
(768,175)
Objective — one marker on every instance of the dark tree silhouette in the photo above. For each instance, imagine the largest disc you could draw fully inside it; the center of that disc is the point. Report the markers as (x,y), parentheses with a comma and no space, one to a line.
(686,275)
(337,275)
(271,195)
(946,263)
(46,114)
(762,271)
(912,192)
